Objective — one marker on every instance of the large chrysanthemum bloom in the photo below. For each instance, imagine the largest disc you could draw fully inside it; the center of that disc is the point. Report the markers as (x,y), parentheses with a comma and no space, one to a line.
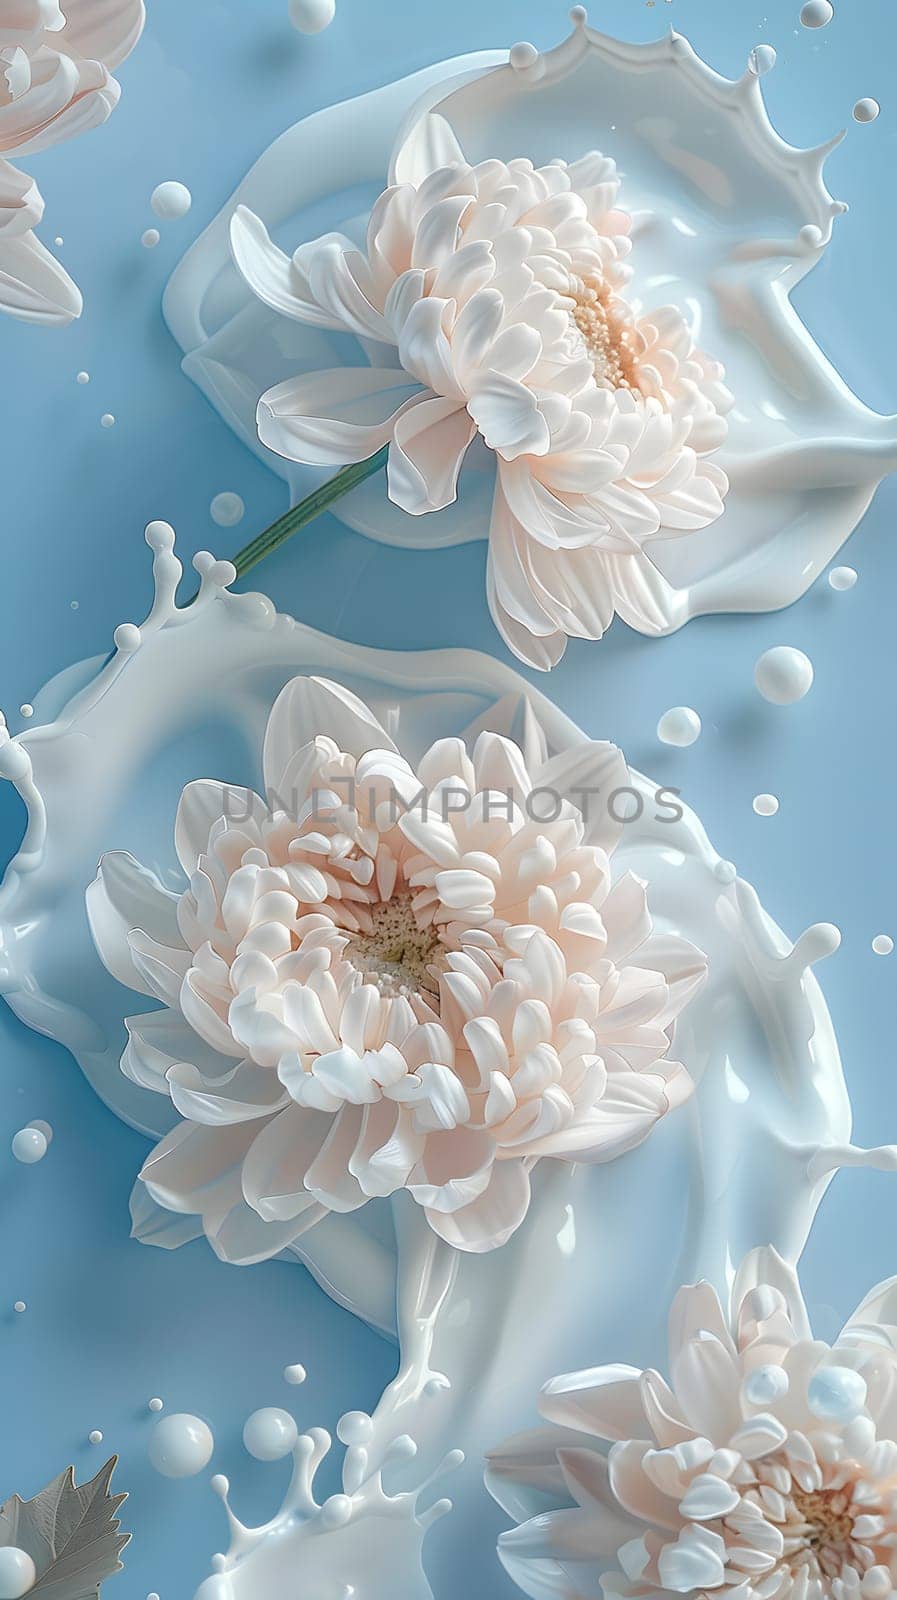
(56,63)
(765,1469)
(381,978)
(491,300)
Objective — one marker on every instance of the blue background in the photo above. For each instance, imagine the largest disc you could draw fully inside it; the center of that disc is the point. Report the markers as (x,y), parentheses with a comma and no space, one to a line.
(109,1322)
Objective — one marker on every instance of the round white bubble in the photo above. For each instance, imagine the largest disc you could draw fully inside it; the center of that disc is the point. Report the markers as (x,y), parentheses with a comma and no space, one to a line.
(312,16)
(181,1445)
(764,1385)
(836,1394)
(680,726)
(817,13)
(29,1145)
(866,110)
(783,675)
(150,238)
(841,578)
(19,1307)
(270,1433)
(765,805)
(95,1436)
(18,1573)
(82,377)
(295,1373)
(882,944)
(107,420)
(523,55)
(171,200)
(354,1427)
(155,1404)
(762,59)
(227,509)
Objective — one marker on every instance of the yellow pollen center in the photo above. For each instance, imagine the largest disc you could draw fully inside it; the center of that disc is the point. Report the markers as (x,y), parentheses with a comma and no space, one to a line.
(396,953)
(828,1527)
(607,336)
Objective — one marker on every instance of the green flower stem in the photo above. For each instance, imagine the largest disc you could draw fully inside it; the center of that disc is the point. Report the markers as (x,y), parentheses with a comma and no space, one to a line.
(298,516)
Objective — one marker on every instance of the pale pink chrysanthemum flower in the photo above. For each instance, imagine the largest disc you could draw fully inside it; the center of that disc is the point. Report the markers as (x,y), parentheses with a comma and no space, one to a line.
(764,1469)
(385,978)
(491,301)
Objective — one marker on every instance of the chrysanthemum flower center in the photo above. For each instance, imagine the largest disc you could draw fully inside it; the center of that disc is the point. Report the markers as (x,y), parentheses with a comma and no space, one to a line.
(396,953)
(608,337)
(828,1528)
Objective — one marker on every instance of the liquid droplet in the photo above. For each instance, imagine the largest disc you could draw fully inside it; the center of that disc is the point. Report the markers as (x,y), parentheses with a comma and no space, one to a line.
(150,238)
(26,710)
(29,1145)
(836,1394)
(95,1436)
(765,1384)
(336,1511)
(725,872)
(171,200)
(355,1427)
(227,509)
(19,1307)
(181,1445)
(107,420)
(295,1374)
(842,578)
(817,13)
(783,675)
(126,637)
(159,535)
(882,944)
(270,1434)
(18,1573)
(82,377)
(523,55)
(761,60)
(679,726)
(866,110)
(312,16)
(766,805)
(155,1404)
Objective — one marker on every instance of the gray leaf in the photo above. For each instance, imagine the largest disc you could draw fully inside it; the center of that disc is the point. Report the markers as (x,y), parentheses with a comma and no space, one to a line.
(71,1534)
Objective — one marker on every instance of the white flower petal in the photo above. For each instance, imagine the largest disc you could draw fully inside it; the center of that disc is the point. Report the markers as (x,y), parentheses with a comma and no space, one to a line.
(330,419)
(307,707)
(758,1437)
(509,416)
(603,1401)
(487,1222)
(428,448)
(695,1561)
(708,1496)
(271,274)
(125,896)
